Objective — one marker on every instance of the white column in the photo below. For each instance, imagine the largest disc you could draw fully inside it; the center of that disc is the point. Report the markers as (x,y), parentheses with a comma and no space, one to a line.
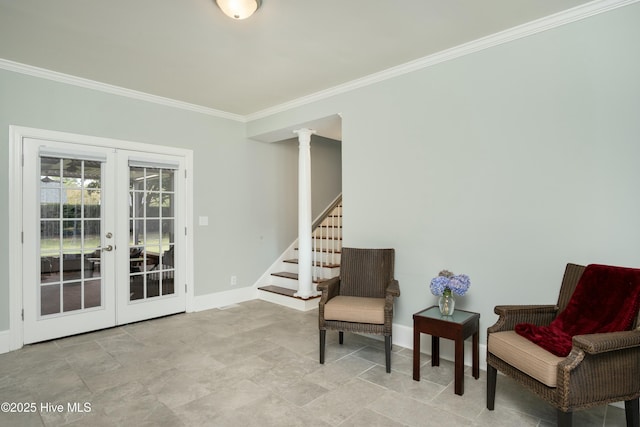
(305,283)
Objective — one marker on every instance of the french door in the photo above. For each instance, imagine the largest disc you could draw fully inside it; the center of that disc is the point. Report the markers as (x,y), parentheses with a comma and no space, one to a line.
(101,242)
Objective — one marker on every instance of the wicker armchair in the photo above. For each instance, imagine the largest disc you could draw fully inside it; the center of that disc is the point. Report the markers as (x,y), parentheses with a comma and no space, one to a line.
(600,369)
(361,299)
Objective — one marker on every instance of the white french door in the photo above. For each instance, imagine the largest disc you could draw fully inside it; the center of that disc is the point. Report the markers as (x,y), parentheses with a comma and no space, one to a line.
(101,242)
(152,234)
(68,261)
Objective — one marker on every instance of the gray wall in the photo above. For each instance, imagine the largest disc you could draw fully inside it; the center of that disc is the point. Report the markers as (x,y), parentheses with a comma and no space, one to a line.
(504,164)
(326,173)
(248,189)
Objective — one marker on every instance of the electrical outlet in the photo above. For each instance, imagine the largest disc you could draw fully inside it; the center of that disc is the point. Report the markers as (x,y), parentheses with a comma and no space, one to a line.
(234,280)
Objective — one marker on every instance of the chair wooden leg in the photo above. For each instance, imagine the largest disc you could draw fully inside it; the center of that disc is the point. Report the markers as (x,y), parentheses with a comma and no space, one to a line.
(387,352)
(340,337)
(632,411)
(565,419)
(492,374)
(323,338)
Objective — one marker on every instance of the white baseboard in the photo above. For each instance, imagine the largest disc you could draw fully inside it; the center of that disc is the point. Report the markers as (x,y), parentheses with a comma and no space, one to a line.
(5,341)
(224,298)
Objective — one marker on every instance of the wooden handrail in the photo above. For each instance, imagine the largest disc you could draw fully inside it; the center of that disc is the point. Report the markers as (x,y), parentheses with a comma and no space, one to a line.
(326,212)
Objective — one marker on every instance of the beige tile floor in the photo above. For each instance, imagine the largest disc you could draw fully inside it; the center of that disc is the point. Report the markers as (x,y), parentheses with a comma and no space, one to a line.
(251,364)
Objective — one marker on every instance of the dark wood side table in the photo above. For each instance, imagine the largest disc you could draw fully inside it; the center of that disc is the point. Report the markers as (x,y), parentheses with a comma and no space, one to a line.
(458,327)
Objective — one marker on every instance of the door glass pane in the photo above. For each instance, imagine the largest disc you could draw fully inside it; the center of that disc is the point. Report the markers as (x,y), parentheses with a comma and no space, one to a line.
(167,180)
(50,201)
(136,287)
(71,296)
(49,269)
(71,267)
(91,234)
(49,299)
(70,229)
(167,234)
(151,232)
(72,207)
(92,293)
(91,195)
(152,205)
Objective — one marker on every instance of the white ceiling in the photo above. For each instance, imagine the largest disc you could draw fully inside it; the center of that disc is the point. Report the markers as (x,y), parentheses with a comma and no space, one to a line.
(187,50)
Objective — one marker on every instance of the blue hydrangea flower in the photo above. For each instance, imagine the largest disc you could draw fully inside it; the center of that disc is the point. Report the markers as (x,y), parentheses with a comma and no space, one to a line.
(438,285)
(457,284)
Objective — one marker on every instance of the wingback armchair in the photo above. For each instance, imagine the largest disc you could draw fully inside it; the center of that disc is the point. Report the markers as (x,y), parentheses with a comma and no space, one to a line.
(600,368)
(361,298)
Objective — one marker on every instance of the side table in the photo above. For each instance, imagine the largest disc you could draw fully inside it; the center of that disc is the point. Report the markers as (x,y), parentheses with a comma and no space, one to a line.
(458,327)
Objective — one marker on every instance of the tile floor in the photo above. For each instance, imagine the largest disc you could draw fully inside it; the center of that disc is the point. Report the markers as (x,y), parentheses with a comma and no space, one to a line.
(251,364)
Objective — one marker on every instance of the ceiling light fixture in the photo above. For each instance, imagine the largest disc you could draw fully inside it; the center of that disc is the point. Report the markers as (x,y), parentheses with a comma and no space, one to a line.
(239,9)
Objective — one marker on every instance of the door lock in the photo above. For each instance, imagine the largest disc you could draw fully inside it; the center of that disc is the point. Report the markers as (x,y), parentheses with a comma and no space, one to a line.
(109,235)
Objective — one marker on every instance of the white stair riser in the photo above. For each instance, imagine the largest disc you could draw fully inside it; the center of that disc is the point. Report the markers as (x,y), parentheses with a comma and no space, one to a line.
(320,271)
(290,283)
(322,257)
(284,282)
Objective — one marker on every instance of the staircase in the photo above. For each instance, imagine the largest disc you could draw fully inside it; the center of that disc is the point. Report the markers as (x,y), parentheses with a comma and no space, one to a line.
(281,281)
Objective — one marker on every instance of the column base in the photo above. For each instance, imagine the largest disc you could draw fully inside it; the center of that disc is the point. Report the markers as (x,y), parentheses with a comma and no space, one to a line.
(306,296)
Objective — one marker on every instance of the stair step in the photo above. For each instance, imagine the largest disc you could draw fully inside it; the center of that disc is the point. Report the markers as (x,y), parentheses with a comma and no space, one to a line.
(294,276)
(282,291)
(286,275)
(316,264)
(329,226)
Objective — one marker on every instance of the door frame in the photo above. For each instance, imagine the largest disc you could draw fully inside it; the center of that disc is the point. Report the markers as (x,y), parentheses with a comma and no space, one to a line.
(16,161)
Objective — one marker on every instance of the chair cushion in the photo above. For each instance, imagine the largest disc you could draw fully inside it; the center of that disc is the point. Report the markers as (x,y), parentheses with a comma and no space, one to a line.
(526,356)
(355,309)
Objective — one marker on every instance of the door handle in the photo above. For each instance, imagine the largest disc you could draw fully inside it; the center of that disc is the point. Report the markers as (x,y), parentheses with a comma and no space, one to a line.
(107,248)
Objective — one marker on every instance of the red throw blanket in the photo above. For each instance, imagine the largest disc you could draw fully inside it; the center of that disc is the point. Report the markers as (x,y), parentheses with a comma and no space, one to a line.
(606,299)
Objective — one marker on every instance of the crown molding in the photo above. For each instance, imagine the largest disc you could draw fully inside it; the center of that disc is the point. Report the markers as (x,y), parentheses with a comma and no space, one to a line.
(543,24)
(30,70)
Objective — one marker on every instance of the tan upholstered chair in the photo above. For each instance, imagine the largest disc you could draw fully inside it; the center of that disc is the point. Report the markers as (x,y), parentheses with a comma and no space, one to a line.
(361,299)
(600,369)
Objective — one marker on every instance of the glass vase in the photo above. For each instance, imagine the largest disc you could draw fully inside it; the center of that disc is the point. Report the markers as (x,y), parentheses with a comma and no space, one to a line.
(447,303)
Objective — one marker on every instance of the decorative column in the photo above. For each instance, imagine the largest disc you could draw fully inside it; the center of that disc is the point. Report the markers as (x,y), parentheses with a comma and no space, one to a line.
(305,258)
